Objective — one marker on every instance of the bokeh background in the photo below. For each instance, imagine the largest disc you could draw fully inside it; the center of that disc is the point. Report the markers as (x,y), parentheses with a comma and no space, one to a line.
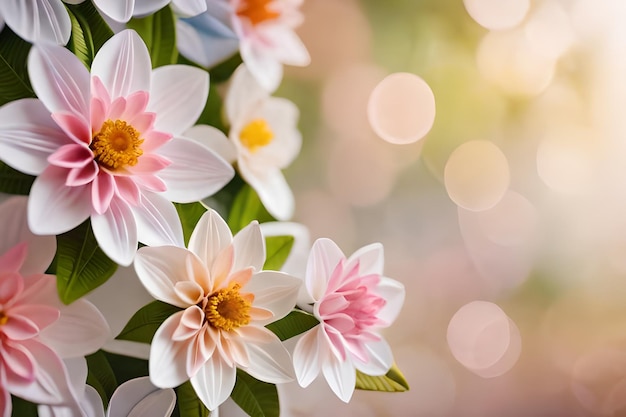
(506,222)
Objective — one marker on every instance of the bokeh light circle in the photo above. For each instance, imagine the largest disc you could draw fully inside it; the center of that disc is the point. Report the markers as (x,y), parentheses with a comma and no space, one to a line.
(497,14)
(401,108)
(477,175)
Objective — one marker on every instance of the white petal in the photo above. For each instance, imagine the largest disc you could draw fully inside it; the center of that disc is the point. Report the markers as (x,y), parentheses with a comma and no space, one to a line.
(296,261)
(324,257)
(270,362)
(54,208)
(309,354)
(80,330)
(178,95)
(249,248)
(274,291)
(214,139)
(266,69)
(189,7)
(116,232)
(243,96)
(60,80)
(160,268)
(168,358)
(38,21)
(380,359)
(214,382)
(118,10)
(123,64)
(14,229)
(371,259)
(272,189)
(210,236)
(200,40)
(341,377)
(158,223)
(196,171)
(393,292)
(145,7)
(92,403)
(139,397)
(288,48)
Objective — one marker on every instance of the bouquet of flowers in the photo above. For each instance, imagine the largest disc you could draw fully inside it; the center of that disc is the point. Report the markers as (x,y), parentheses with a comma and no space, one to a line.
(147,265)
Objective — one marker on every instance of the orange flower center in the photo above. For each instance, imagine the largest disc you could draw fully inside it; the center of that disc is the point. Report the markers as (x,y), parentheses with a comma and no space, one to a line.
(228,309)
(256,134)
(257,11)
(3,318)
(116,145)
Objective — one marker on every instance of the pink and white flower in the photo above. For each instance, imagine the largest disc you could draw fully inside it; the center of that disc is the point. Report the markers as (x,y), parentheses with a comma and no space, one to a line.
(353,301)
(227,300)
(108,146)
(36,330)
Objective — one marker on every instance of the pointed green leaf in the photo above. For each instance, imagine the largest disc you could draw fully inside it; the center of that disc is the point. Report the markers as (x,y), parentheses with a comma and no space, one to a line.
(247,207)
(277,249)
(189,215)
(257,398)
(189,405)
(145,322)
(293,324)
(393,381)
(80,42)
(13,181)
(81,264)
(90,22)
(101,376)
(14,82)
(23,408)
(158,31)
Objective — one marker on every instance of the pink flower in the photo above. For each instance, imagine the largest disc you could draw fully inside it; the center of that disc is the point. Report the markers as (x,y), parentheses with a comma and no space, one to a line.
(36,329)
(353,301)
(107,145)
(227,302)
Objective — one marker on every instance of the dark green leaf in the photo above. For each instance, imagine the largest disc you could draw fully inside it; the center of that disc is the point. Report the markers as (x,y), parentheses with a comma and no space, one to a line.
(145,322)
(293,324)
(101,376)
(258,399)
(189,215)
(14,82)
(158,31)
(80,42)
(224,70)
(126,368)
(92,22)
(23,408)
(393,381)
(277,249)
(13,181)
(189,405)
(247,207)
(212,112)
(81,264)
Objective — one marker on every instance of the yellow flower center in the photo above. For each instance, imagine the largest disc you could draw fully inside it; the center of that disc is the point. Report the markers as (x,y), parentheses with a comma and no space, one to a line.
(116,145)
(256,134)
(227,309)
(256,11)
(3,318)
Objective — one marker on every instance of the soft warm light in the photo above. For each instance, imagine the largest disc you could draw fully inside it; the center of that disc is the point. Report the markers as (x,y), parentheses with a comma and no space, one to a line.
(550,30)
(512,221)
(401,108)
(497,14)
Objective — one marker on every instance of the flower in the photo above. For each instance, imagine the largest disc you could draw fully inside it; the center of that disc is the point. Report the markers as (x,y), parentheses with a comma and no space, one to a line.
(264,30)
(36,329)
(226,300)
(264,139)
(107,146)
(123,10)
(352,301)
(38,20)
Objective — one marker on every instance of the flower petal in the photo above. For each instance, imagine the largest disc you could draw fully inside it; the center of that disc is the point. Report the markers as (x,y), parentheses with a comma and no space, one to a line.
(295,264)
(102,191)
(289,48)
(272,188)
(189,7)
(6,406)
(145,7)
(168,358)
(28,135)
(274,291)
(44,20)
(393,292)
(266,69)
(380,358)
(178,95)
(123,63)
(139,397)
(205,40)
(324,257)
(269,361)
(158,223)
(76,127)
(210,236)
(243,96)
(309,354)
(371,259)
(214,382)
(341,377)
(196,172)
(116,232)
(214,139)
(54,208)
(249,248)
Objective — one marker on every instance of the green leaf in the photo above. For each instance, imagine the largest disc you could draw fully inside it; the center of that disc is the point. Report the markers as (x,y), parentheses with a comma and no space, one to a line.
(293,324)
(189,215)
(145,322)
(212,112)
(224,70)
(13,181)
(81,264)
(247,207)
(101,376)
(14,82)
(126,368)
(23,408)
(189,405)
(90,20)
(277,249)
(80,42)
(158,31)
(257,398)
(393,381)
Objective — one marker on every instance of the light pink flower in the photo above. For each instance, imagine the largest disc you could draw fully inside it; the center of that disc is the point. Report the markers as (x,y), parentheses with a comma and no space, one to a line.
(108,145)
(353,301)
(227,302)
(36,329)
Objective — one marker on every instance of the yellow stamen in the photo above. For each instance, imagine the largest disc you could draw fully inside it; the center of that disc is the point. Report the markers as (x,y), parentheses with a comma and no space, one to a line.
(257,11)
(3,318)
(227,309)
(256,134)
(116,145)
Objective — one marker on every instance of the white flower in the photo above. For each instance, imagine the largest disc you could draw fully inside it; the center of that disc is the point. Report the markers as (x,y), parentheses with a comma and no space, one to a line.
(38,20)
(226,300)
(123,10)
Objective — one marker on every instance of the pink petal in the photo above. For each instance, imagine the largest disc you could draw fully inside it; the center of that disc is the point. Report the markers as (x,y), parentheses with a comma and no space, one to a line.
(272,188)
(148,164)
(77,128)
(19,362)
(136,104)
(102,191)
(341,377)
(249,247)
(47,20)
(19,328)
(123,63)
(270,362)
(40,315)
(210,236)
(150,183)
(54,208)
(127,189)
(140,396)
(116,232)
(196,171)
(178,95)
(28,135)
(274,291)
(214,382)
(167,357)
(190,323)
(39,289)
(99,92)
(10,264)
(324,257)
(98,113)
(154,139)
(308,355)
(157,221)
(71,156)
(6,407)
(142,122)
(82,176)
(118,107)
(189,291)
